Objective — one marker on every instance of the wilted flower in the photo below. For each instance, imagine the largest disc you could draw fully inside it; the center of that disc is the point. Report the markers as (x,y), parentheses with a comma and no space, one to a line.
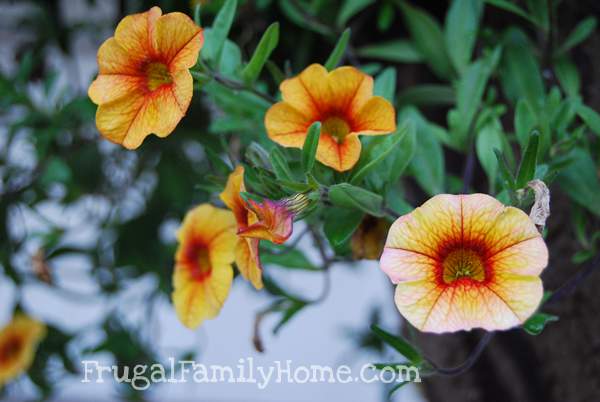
(203,271)
(18,343)
(342,100)
(463,262)
(143,84)
(268,220)
(368,240)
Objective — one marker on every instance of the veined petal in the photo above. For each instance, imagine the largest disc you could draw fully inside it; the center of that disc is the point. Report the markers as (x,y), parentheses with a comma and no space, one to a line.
(114,59)
(407,266)
(352,89)
(134,32)
(286,125)
(109,87)
(198,301)
(248,262)
(309,91)
(177,40)
(274,222)
(377,116)
(232,199)
(341,156)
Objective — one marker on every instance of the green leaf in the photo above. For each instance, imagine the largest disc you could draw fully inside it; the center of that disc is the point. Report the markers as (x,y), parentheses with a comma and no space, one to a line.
(489,138)
(396,51)
(428,38)
(590,117)
(290,312)
(399,344)
(462,23)
(265,47)
(520,71)
(350,8)
(385,84)
(469,92)
(579,181)
(56,171)
(427,94)
(349,196)
(525,121)
(280,165)
(291,259)
(568,76)
(511,7)
(215,38)
(427,164)
(538,10)
(340,224)
(526,170)
(338,51)
(537,322)
(580,33)
(309,150)
(405,151)
(381,151)
(508,179)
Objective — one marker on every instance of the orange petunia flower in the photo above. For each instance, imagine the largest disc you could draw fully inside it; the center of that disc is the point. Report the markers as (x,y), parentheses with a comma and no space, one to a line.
(18,343)
(267,220)
(203,271)
(143,84)
(342,100)
(463,262)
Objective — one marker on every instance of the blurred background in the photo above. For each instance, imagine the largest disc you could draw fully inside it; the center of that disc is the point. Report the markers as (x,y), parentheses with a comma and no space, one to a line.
(87,228)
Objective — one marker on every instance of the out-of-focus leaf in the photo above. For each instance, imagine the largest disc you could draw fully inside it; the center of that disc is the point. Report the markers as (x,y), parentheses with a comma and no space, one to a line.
(215,37)
(580,33)
(469,92)
(291,259)
(265,47)
(590,117)
(385,84)
(427,94)
(508,179)
(348,196)
(338,51)
(427,164)
(399,344)
(462,23)
(385,17)
(511,7)
(340,224)
(290,10)
(309,150)
(396,51)
(538,9)
(579,181)
(568,76)
(525,121)
(427,35)
(489,138)
(350,8)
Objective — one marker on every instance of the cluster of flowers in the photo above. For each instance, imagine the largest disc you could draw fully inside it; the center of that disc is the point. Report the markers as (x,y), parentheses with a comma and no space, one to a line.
(459,261)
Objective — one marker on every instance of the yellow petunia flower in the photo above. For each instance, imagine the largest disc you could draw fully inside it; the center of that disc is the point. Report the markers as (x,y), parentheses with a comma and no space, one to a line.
(342,100)
(463,262)
(268,220)
(18,343)
(144,85)
(203,264)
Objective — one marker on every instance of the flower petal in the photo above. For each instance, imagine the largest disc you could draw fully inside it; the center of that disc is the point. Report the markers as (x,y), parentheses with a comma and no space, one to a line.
(341,156)
(407,266)
(286,125)
(352,89)
(177,40)
(109,87)
(308,92)
(247,261)
(232,199)
(274,222)
(377,116)
(114,59)
(198,301)
(134,33)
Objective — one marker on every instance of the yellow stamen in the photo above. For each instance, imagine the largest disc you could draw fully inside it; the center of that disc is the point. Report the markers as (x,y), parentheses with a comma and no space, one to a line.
(157,74)
(336,127)
(463,263)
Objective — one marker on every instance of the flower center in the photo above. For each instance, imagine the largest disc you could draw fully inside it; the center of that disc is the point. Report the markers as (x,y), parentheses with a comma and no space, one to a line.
(157,74)
(463,264)
(199,260)
(336,127)
(10,349)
